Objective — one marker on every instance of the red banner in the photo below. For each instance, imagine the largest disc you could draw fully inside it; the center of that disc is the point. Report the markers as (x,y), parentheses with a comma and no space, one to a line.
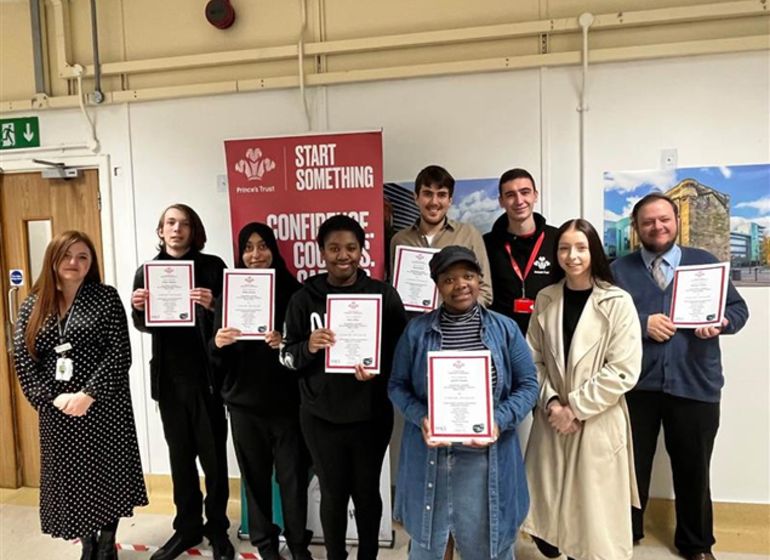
(294,183)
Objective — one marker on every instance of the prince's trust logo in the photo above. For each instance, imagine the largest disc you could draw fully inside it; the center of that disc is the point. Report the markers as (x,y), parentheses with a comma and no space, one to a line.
(542,265)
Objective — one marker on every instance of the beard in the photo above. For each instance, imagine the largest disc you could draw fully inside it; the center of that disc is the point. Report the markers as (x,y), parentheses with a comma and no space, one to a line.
(658,250)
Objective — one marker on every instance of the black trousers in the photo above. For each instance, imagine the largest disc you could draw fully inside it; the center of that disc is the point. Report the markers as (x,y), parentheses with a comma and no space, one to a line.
(260,442)
(195,426)
(689,430)
(348,461)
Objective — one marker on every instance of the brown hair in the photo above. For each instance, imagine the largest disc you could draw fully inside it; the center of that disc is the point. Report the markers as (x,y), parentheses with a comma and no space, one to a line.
(46,286)
(197,231)
(647,199)
(600,265)
(434,175)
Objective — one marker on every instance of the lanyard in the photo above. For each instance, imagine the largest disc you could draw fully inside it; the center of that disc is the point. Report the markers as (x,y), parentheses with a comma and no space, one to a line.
(530,262)
(63,333)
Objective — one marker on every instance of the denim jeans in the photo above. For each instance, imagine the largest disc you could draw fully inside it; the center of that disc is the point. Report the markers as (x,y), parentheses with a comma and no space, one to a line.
(461,507)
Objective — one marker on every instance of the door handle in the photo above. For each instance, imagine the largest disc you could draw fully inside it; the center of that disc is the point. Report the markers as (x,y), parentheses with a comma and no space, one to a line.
(12,317)
(12,300)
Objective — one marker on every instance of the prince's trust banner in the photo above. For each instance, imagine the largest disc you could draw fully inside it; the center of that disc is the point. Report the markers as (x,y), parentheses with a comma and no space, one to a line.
(293,183)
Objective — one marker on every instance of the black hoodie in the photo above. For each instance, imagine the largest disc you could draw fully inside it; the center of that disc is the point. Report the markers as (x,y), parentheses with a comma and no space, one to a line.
(506,285)
(251,377)
(339,397)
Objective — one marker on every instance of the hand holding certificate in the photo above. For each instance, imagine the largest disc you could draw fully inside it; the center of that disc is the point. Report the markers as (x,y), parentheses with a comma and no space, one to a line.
(699,295)
(411,278)
(248,302)
(460,396)
(355,321)
(169,284)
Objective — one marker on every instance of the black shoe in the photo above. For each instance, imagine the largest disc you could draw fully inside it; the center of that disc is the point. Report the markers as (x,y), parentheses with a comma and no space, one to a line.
(299,551)
(89,548)
(270,552)
(175,546)
(221,547)
(106,546)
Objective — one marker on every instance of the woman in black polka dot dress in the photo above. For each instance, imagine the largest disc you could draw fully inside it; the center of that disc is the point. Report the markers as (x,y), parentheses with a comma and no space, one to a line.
(72,356)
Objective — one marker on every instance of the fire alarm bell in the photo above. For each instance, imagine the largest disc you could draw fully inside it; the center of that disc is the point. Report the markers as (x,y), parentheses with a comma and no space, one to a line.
(220,13)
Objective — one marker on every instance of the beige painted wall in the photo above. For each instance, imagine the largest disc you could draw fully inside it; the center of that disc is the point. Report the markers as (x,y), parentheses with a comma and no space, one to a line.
(131,30)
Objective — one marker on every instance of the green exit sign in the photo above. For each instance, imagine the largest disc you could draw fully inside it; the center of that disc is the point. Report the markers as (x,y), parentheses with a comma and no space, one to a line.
(19,133)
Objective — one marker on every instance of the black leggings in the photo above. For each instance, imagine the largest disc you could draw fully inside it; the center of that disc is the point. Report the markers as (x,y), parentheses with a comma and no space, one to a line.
(348,460)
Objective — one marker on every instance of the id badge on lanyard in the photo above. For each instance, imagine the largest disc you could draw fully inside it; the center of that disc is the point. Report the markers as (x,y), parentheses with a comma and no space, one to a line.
(524,304)
(64,365)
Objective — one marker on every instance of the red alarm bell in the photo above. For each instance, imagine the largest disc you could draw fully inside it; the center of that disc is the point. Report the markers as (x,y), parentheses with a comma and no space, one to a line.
(220,13)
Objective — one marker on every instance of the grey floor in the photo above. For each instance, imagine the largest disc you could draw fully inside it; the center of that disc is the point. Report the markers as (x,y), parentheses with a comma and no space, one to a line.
(20,539)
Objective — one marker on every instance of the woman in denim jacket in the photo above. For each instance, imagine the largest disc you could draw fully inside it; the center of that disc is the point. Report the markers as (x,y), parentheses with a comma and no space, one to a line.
(476,492)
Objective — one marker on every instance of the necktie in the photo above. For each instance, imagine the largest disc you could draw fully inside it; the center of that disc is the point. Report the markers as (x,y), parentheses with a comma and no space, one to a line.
(657,272)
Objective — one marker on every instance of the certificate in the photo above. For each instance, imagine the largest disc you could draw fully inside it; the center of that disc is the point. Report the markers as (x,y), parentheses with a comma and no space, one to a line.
(460,395)
(248,298)
(699,295)
(356,321)
(169,284)
(411,278)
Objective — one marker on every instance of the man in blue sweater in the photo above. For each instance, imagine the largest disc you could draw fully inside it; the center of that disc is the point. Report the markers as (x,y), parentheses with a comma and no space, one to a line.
(681,376)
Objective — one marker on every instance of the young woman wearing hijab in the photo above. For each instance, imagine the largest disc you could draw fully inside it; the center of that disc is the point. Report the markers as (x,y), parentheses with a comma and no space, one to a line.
(72,356)
(263,400)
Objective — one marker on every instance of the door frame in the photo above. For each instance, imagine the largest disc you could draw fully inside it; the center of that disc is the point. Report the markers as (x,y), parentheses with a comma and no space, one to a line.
(101,163)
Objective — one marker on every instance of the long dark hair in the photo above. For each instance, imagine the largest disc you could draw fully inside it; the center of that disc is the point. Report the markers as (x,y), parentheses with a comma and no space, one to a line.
(46,285)
(600,266)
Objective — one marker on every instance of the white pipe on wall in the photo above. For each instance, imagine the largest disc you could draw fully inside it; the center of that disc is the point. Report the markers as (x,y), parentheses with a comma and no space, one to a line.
(301,61)
(500,64)
(585,20)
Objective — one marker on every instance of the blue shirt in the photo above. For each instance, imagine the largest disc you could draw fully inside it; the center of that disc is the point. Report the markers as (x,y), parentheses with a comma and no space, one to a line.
(671,259)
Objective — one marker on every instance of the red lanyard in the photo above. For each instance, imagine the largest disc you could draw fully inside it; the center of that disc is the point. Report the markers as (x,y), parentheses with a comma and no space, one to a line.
(530,262)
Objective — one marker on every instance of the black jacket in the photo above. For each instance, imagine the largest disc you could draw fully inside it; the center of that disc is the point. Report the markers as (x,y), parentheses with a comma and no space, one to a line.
(339,397)
(251,377)
(506,285)
(208,274)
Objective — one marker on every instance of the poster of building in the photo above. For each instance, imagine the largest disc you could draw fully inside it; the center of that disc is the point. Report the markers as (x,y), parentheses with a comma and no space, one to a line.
(723,209)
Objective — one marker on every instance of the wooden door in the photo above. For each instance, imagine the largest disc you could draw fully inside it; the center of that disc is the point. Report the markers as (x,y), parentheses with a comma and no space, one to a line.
(32,210)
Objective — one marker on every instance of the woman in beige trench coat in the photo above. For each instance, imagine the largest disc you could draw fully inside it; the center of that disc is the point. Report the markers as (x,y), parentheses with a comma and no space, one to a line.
(586,343)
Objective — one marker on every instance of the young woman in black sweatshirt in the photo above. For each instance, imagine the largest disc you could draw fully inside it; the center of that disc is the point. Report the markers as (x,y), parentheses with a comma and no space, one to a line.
(347,419)
(263,399)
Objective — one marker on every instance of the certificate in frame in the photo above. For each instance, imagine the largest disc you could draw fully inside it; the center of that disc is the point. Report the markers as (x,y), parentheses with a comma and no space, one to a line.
(169,284)
(411,278)
(460,395)
(356,321)
(248,302)
(699,295)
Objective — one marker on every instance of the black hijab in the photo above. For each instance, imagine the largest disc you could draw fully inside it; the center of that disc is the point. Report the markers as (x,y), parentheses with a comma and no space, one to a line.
(285,282)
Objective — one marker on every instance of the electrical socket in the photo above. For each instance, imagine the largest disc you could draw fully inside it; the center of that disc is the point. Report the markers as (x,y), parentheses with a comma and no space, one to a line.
(221,183)
(668,158)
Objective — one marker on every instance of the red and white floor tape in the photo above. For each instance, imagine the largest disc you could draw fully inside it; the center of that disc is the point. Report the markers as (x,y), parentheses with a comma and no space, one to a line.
(196,552)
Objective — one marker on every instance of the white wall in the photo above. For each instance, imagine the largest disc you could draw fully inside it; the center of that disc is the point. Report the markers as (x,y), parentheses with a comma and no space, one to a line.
(713,109)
